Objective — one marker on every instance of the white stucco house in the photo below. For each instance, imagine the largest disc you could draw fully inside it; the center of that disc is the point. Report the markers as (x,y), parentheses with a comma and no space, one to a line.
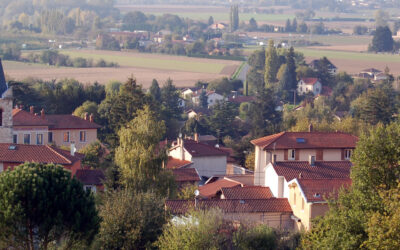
(206,159)
(310,84)
(212,98)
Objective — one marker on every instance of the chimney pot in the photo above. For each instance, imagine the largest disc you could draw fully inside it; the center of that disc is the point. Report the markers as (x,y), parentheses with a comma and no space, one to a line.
(196,137)
(85,116)
(31,109)
(91,117)
(42,113)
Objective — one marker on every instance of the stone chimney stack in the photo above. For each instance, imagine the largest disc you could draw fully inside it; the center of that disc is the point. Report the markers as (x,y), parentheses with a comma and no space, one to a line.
(42,113)
(91,117)
(310,128)
(31,110)
(311,160)
(85,116)
(196,137)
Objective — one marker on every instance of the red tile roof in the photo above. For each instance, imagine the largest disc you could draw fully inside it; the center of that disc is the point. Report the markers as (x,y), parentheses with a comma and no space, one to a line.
(70,122)
(211,189)
(310,80)
(321,170)
(289,140)
(271,205)
(24,118)
(176,163)
(243,193)
(198,149)
(318,190)
(186,174)
(35,153)
(90,176)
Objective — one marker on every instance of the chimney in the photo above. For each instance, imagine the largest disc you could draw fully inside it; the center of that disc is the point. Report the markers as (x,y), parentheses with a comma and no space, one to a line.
(42,113)
(91,117)
(300,175)
(85,117)
(196,137)
(31,109)
(273,159)
(310,128)
(311,160)
(73,149)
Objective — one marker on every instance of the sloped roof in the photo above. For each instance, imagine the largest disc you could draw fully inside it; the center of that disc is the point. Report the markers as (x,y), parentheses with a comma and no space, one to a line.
(271,205)
(70,122)
(243,193)
(3,84)
(371,70)
(321,170)
(174,163)
(290,140)
(198,149)
(318,190)
(90,176)
(211,189)
(24,118)
(35,153)
(309,80)
(186,174)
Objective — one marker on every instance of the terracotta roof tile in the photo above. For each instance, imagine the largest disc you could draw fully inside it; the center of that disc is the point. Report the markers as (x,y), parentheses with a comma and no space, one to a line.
(290,140)
(23,118)
(90,176)
(321,170)
(243,193)
(176,163)
(271,205)
(186,174)
(211,189)
(317,190)
(35,153)
(309,80)
(198,149)
(70,122)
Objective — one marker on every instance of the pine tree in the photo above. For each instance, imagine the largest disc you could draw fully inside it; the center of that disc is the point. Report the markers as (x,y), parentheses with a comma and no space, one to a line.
(210,20)
(288,26)
(271,64)
(234,17)
(203,99)
(155,91)
(294,25)
(291,67)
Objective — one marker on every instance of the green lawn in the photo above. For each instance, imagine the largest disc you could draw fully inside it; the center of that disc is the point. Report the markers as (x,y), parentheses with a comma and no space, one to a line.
(350,55)
(161,62)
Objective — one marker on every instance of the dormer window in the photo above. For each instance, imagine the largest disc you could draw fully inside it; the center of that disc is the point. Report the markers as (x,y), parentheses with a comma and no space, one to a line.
(291,154)
(347,154)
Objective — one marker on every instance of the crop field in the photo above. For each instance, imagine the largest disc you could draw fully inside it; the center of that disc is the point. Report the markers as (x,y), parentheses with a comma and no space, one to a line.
(184,71)
(353,62)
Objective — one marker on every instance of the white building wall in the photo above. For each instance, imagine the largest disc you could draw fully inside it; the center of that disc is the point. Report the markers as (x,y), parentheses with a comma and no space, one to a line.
(332,155)
(271,180)
(210,165)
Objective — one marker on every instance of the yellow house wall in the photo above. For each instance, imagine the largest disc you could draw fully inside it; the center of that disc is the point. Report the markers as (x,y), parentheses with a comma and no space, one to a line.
(58,137)
(275,220)
(33,131)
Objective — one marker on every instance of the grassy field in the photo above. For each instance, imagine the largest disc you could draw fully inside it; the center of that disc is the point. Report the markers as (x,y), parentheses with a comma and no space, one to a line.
(149,61)
(184,71)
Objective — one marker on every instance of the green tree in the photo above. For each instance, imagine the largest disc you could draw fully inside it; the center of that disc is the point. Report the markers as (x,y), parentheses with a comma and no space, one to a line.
(42,204)
(170,109)
(288,26)
(155,90)
(203,99)
(139,157)
(323,73)
(130,220)
(94,154)
(234,17)
(271,64)
(256,237)
(253,24)
(210,20)
(87,108)
(223,113)
(376,105)
(112,87)
(382,41)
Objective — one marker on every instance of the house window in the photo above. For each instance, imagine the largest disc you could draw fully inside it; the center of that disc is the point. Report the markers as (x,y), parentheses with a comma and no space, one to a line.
(39,139)
(15,139)
(50,137)
(82,136)
(347,154)
(27,139)
(66,136)
(292,154)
